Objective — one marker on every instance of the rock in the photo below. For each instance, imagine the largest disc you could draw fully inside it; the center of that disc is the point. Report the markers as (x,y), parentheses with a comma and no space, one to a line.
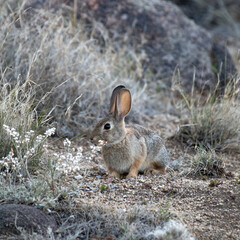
(26,217)
(177,164)
(169,39)
(220,17)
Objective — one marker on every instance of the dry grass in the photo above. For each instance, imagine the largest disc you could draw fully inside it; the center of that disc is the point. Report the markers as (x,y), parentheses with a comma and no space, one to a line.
(21,145)
(63,60)
(15,111)
(212,121)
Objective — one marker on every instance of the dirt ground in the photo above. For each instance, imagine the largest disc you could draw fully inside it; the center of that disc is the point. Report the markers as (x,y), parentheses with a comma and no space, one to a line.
(208,212)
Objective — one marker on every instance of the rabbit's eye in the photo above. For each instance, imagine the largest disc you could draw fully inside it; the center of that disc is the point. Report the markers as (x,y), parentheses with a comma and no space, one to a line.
(107,126)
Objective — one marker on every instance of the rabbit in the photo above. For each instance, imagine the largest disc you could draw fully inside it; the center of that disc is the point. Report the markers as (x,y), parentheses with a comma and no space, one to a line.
(128,149)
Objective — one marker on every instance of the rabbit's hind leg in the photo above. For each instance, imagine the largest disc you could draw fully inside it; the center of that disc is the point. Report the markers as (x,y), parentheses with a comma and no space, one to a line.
(155,169)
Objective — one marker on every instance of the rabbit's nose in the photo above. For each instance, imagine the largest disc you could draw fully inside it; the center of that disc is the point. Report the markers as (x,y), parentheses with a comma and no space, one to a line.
(92,138)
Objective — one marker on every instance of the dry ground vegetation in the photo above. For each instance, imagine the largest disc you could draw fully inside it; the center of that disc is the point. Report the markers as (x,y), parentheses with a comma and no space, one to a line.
(52,72)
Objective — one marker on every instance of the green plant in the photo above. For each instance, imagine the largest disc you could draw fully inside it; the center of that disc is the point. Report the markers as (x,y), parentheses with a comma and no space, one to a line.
(144,201)
(213,183)
(104,188)
(164,213)
(212,121)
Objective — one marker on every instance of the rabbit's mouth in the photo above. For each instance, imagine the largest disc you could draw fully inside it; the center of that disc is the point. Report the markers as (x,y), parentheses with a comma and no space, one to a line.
(97,141)
(102,142)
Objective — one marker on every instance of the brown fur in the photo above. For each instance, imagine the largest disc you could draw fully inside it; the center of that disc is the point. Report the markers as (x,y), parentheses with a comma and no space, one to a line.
(133,172)
(113,172)
(155,168)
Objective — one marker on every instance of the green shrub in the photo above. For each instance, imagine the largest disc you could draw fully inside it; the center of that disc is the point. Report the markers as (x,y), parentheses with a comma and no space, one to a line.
(207,163)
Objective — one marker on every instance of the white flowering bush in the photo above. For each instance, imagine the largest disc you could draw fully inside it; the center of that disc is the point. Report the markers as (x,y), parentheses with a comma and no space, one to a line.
(25,154)
(69,161)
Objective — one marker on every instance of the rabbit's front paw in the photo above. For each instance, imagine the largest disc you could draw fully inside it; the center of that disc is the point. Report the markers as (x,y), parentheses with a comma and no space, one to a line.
(132,175)
(113,173)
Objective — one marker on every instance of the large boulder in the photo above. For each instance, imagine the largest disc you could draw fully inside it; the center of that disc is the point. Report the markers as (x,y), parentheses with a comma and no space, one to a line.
(14,216)
(220,17)
(174,45)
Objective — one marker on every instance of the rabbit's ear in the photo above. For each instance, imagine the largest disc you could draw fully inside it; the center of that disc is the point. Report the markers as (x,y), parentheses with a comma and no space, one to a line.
(123,103)
(114,98)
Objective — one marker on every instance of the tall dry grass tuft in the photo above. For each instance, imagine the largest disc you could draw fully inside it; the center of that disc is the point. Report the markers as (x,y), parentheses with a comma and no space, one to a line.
(16,111)
(212,121)
(21,144)
(62,58)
